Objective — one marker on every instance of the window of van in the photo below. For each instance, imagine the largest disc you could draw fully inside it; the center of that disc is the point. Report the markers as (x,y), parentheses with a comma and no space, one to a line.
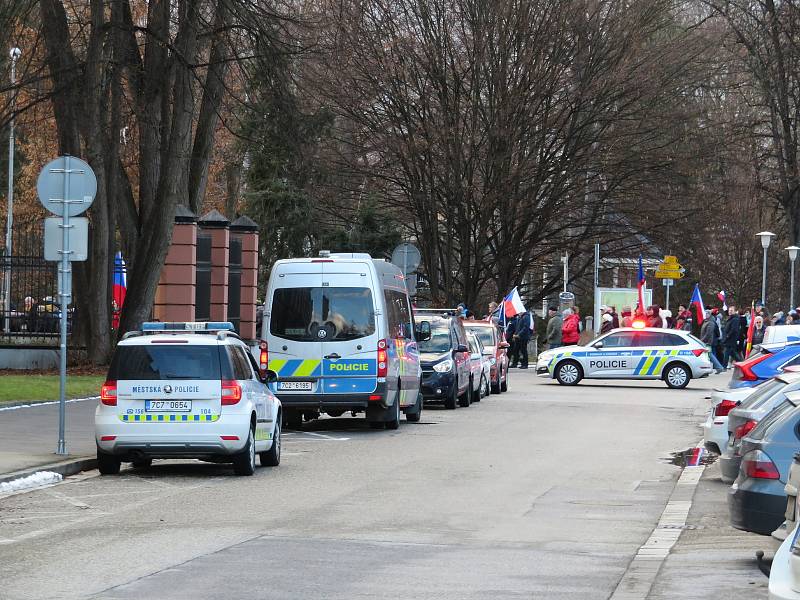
(399,315)
(300,314)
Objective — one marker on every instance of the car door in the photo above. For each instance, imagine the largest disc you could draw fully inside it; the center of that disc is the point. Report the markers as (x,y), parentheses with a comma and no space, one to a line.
(653,348)
(261,400)
(615,358)
(461,359)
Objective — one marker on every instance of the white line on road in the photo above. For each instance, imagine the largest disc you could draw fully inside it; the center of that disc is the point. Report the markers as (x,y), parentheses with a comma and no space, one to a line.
(48,403)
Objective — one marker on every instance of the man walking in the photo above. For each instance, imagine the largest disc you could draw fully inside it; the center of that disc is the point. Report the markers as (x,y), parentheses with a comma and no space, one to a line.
(709,336)
(730,336)
(554,325)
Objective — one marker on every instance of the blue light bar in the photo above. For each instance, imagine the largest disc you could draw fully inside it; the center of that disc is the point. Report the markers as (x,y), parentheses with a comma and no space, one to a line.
(188,326)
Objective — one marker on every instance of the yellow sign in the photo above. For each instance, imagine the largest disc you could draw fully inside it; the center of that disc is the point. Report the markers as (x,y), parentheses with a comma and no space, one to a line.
(670,268)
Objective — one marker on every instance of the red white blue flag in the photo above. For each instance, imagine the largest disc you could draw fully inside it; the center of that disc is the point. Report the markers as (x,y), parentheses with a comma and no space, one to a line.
(512,304)
(641,285)
(119,289)
(697,302)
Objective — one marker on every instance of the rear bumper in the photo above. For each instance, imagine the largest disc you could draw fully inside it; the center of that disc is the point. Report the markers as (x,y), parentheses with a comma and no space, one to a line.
(759,508)
(715,433)
(729,466)
(334,402)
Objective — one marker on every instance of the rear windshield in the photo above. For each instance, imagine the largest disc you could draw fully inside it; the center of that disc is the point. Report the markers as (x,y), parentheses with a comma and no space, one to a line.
(440,341)
(167,361)
(317,314)
(761,431)
(484,335)
(762,393)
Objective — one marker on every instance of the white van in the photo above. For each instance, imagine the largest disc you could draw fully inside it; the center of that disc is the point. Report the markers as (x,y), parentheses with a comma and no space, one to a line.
(339,332)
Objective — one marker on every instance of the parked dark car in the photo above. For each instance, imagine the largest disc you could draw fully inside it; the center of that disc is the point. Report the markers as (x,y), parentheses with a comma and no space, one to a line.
(445,361)
(757,499)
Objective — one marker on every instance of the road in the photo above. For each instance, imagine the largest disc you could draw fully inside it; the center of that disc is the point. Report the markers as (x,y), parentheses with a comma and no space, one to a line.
(543,492)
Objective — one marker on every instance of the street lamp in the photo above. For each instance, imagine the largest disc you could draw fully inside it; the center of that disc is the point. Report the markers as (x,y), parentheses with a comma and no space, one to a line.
(792,250)
(766,239)
(14,53)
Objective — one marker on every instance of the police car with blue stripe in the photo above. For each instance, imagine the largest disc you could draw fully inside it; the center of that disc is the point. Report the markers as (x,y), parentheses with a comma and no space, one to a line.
(674,356)
(186,390)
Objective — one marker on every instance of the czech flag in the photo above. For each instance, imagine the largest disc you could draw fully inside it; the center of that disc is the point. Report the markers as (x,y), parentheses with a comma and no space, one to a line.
(119,289)
(721,296)
(641,285)
(697,302)
(512,304)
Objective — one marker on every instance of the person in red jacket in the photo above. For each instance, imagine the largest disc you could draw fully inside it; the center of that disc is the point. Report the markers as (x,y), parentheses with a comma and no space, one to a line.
(570,333)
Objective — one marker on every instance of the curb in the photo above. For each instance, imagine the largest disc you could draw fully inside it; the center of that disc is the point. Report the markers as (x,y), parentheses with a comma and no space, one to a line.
(64,468)
(34,403)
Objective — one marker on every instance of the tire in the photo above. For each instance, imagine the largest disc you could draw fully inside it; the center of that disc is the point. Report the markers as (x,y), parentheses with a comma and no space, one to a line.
(677,376)
(244,463)
(487,389)
(142,463)
(107,464)
(293,419)
(481,390)
(394,422)
(504,382)
(568,373)
(451,401)
(376,424)
(416,415)
(466,399)
(272,457)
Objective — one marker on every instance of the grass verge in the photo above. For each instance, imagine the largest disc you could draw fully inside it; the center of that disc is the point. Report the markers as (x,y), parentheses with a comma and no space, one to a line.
(41,388)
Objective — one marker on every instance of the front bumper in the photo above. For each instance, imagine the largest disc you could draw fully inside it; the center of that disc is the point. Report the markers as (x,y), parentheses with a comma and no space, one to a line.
(757,505)
(437,386)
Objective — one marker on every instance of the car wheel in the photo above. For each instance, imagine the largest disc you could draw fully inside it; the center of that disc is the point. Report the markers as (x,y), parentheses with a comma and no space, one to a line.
(487,389)
(677,376)
(107,464)
(504,382)
(414,417)
(452,400)
(142,463)
(244,463)
(394,420)
(466,398)
(293,419)
(272,457)
(481,390)
(569,373)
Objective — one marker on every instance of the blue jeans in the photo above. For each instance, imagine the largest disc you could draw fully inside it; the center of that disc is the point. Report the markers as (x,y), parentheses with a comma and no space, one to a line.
(717,365)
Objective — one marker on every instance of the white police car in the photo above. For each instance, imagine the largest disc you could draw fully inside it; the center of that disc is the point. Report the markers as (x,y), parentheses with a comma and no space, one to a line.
(186,390)
(629,353)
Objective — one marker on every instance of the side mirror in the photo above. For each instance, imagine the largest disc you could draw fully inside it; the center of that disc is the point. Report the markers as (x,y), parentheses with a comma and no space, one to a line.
(268,376)
(597,345)
(423,331)
(504,345)
(462,349)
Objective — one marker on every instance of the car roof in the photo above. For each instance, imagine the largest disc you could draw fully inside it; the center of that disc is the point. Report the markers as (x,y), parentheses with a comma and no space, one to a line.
(479,324)
(658,329)
(192,339)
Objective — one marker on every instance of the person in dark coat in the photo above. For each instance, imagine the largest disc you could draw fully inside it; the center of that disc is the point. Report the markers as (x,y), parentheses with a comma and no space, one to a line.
(511,328)
(730,336)
(522,334)
(709,335)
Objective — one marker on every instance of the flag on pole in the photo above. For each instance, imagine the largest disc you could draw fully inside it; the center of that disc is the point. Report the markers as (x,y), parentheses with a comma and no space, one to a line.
(697,302)
(750,329)
(512,304)
(119,289)
(641,285)
(721,296)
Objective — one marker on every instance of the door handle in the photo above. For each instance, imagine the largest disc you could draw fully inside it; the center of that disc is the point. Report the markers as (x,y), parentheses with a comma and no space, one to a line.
(334,355)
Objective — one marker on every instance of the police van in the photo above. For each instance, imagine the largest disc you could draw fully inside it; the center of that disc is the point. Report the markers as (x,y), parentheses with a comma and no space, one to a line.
(339,332)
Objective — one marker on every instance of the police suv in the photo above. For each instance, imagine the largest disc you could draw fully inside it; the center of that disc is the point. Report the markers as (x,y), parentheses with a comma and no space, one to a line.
(672,355)
(186,390)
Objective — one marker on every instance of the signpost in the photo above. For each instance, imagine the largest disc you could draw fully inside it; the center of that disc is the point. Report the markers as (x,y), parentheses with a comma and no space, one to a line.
(66,187)
(668,271)
(407,257)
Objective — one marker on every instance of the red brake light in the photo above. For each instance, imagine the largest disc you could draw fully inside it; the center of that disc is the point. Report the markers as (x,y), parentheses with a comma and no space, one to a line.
(231,392)
(758,465)
(698,352)
(746,367)
(383,359)
(108,393)
(263,358)
(743,430)
(723,408)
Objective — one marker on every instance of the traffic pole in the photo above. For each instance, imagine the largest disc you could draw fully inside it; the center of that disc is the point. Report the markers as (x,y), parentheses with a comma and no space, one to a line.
(65,294)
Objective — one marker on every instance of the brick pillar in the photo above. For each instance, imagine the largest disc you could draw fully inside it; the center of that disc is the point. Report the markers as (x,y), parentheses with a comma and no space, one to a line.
(247,231)
(216,225)
(175,294)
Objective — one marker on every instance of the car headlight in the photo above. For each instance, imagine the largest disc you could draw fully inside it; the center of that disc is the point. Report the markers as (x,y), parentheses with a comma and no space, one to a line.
(545,356)
(444,366)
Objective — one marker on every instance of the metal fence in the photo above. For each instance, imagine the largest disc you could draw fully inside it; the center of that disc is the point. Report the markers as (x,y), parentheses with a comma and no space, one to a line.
(33,303)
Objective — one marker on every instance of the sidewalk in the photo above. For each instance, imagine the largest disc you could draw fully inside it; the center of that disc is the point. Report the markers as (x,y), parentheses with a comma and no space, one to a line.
(29,435)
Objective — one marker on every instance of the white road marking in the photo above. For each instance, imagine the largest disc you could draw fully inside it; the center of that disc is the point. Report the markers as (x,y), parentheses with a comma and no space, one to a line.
(48,403)
(320,436)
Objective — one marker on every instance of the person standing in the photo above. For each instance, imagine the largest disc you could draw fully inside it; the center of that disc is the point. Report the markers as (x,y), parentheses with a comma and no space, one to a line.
(607,323)
(554,325)
(492,309)
(709,336)
(758,330)
(511,329)
(570,333)
(730,337)
(522,334)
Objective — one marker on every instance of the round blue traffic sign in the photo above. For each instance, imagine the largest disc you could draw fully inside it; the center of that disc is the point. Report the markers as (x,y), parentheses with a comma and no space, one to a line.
(66,184)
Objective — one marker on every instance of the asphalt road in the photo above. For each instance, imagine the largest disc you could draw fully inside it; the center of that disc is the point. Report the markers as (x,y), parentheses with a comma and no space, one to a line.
(542,492)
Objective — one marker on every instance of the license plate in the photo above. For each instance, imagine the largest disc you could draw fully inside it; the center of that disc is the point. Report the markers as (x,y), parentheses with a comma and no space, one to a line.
(168,405)
(303,386)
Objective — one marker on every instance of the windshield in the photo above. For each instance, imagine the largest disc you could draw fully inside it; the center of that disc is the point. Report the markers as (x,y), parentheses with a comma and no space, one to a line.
(439,342)
(316,314)
(181,361)
(484,334)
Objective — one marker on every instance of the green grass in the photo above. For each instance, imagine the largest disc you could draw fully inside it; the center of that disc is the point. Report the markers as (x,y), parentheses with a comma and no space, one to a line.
(40,388)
